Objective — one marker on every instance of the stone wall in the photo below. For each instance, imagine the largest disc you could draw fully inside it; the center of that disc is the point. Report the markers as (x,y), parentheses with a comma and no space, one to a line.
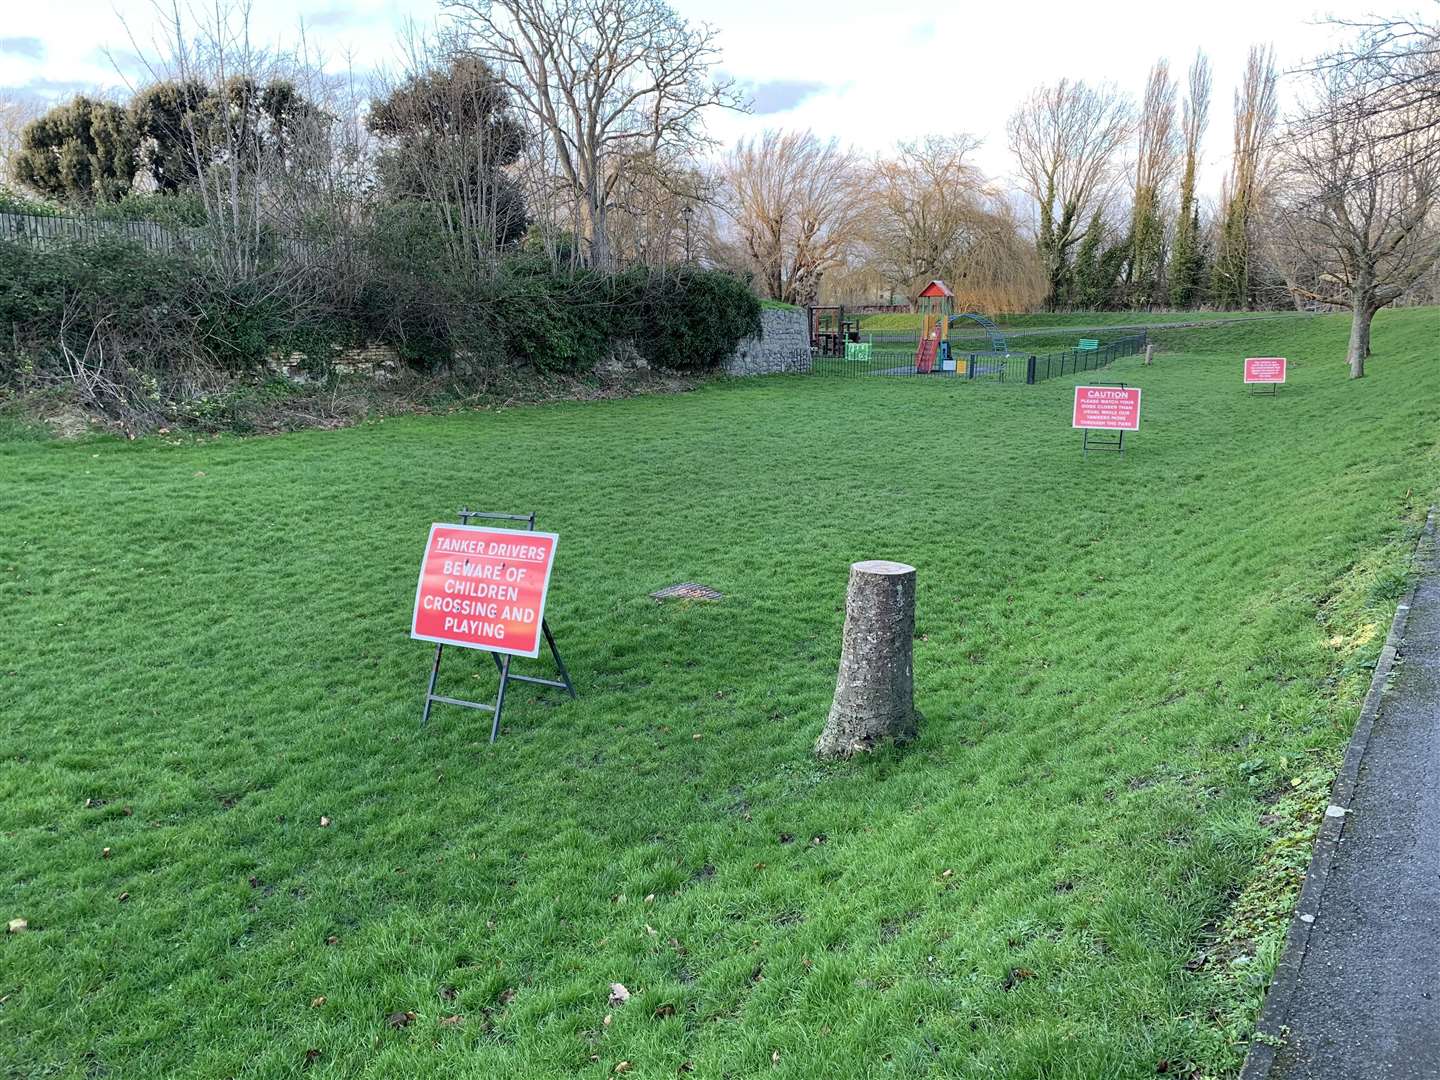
(783,345)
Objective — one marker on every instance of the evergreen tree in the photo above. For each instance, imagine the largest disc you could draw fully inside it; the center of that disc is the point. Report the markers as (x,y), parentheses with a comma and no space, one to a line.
(82,151)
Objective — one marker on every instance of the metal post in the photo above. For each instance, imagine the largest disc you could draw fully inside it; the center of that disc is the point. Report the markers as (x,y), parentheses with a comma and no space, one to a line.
(970,369)
(430,691)
(1030,372)
(500,698)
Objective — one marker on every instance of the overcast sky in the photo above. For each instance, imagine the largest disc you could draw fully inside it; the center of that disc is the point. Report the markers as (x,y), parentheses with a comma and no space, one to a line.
(869,73)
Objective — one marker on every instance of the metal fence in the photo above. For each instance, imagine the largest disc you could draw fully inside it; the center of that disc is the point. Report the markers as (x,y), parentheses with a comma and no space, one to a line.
(50,233)
(894,355)
(45,232)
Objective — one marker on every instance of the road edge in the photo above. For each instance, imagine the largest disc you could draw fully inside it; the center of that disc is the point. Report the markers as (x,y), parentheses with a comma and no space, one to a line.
(1270,1027)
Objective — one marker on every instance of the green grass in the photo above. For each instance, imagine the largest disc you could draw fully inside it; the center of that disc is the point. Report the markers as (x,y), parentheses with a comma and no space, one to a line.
(1120,662)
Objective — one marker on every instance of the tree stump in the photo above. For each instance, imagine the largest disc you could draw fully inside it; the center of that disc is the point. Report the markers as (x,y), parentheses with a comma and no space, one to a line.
(875,690)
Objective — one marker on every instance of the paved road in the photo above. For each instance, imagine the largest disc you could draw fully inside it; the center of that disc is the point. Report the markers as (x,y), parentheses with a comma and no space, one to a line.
(1366,1000)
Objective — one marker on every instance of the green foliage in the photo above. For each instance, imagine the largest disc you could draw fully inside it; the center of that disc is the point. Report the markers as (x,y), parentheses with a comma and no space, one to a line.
(691,320)
(82,151)
(15,202)
(1230,285)
(184,209)
(450,135)
(1187,257)
(1111,689)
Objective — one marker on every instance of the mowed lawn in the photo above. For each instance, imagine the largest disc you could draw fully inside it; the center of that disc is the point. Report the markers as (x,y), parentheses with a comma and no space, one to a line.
(1122,662)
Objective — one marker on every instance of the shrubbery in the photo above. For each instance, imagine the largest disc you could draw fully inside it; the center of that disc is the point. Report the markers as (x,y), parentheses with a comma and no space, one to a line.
(152,328)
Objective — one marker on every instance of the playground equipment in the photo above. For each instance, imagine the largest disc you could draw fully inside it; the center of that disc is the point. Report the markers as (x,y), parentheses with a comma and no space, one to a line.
(936,305)
(830,331)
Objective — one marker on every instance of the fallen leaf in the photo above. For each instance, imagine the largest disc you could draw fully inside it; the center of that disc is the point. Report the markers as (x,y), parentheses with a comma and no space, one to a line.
(17,926)
(1016,976)
(123,897)
(332,940)
(451,1021)
(399,1020)
(447,993)
(623,1067)
(317,1002)
(759,866)
(775,1058)
(650,899)
(507,995)
(618,994)
(324,822)
(311,1056)
(947,873)
(697,736)
(662,1011)
(105,853)
(685,1067)
(786,838)
(819,839)
(606,1021)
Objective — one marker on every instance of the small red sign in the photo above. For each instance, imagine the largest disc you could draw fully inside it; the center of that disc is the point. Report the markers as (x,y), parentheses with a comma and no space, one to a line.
(1112,408)
(1264,369)
(484,588)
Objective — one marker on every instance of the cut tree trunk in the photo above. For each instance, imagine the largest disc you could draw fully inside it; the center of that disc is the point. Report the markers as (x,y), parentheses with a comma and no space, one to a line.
(875,689)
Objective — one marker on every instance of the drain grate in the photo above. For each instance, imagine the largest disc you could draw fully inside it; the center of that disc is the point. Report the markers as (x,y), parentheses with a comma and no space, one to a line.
(687,590)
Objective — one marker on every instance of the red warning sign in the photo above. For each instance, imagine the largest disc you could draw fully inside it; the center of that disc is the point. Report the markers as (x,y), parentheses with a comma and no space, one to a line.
(484,588)
(1111,408)
(1264,369)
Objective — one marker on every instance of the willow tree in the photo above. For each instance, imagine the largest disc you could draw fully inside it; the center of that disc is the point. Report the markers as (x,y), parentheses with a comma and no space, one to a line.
(1256,117)
(1187,255)
(795,206)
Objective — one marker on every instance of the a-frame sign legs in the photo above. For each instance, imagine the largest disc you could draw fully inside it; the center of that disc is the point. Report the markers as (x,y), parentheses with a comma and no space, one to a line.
(502,665)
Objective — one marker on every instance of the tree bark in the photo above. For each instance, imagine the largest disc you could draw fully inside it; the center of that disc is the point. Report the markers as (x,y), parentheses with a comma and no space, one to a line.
(874,691)
(1360,317)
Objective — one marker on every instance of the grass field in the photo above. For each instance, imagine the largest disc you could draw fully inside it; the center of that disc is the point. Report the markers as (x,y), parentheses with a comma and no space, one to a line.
(1124,666)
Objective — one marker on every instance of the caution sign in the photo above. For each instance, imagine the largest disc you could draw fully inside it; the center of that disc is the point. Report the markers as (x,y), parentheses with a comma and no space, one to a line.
(484,588)
(1264,369)
(1107,408)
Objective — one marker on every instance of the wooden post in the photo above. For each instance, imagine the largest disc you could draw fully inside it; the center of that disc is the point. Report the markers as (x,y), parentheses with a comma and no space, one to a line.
(1149,354)
(875,689)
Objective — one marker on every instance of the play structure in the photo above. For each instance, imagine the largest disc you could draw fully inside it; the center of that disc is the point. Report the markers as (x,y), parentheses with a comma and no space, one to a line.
(936,305)
(830,331)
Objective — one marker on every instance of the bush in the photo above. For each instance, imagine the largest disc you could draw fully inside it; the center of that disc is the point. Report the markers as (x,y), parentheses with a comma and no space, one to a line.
(693,319)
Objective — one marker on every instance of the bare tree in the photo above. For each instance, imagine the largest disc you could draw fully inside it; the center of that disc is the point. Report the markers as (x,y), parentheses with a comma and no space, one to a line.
(936,216)
(1242,200)
(795,206)
(1398,60)
(1157,161)
(606,82)
(1358,223)
(1187,254)
(1066,139)
(16,110)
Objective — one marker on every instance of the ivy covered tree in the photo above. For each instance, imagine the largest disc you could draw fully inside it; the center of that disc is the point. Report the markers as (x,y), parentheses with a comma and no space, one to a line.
(1187,257)
(82,151)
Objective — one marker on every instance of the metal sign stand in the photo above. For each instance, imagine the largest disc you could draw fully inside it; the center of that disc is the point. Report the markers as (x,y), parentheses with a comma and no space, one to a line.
(1089,443)
(1274,388)
(502,661)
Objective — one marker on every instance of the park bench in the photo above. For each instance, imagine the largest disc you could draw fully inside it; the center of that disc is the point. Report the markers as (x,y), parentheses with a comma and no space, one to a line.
(1089,344)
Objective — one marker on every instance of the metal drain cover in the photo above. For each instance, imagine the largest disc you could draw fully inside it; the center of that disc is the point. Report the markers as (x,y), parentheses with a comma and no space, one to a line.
(687,590)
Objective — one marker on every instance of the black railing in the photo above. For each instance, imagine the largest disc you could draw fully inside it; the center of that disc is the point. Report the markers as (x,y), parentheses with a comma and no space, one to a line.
(896,355)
